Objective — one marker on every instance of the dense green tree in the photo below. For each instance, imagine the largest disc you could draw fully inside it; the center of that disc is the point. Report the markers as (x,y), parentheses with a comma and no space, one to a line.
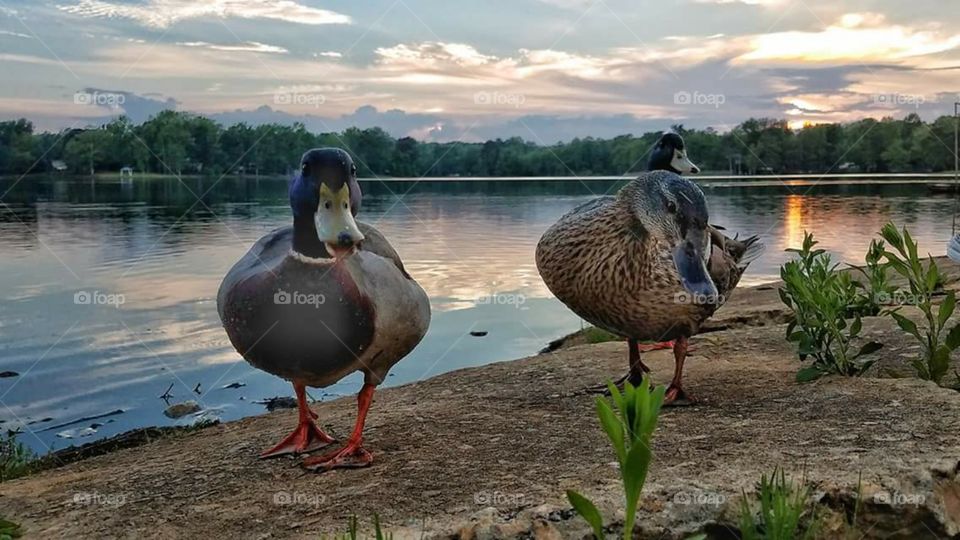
(177,142)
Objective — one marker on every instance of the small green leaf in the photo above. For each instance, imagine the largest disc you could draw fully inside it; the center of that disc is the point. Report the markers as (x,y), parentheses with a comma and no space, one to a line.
(869,348)
(953,338)
(940,364)
(613,428)
(947,307)
(635,469)
(808,374)
(906,324)
(588,511)
(784,297)
(856,327)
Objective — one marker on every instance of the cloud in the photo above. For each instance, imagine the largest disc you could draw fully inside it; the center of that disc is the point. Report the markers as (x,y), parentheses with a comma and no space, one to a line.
(249,46)
(163,13)
(747,2)
(856,37)
(432,55)
(14,34)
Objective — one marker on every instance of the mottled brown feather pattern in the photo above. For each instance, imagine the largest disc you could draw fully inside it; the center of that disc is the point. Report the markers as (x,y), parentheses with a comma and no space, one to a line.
(600,261)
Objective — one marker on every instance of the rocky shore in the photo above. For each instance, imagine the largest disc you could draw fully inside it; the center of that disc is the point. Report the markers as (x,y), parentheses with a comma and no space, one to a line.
(488,452)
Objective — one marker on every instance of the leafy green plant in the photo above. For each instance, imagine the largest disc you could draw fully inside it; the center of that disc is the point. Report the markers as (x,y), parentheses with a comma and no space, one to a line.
(936,342)
(822,300)
(9,530)
(15,458)
(782,506)
(629,424)
(877,287)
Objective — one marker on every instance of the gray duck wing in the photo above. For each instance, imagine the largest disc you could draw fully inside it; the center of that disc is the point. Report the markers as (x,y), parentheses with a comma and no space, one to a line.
(265,255)
(375,242)
(590,206)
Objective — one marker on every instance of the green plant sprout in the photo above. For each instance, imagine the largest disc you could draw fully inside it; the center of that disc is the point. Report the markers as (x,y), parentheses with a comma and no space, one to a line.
(877,288)
(629,424)
(822,300)
(353,530)
(9,530)
(936,342)
(15,458)
(782,505)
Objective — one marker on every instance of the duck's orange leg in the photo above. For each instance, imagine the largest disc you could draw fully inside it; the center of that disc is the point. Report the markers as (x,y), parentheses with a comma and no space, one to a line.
(659,346)
(307,437)
(675,394)
(352,455)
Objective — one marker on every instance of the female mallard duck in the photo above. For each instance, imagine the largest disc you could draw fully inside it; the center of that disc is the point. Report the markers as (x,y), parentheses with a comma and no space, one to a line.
(319,300)
(644,264)
(669,154)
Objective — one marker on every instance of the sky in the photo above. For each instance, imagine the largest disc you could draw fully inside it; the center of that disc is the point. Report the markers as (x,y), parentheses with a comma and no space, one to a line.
(543,70)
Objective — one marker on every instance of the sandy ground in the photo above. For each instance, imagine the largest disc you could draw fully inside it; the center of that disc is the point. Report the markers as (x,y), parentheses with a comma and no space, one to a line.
(488,452)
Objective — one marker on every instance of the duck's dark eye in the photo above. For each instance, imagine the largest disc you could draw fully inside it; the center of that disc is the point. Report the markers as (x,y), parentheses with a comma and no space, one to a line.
(326,205)
(671,207)
(303,169)
(353,169)
(344,206)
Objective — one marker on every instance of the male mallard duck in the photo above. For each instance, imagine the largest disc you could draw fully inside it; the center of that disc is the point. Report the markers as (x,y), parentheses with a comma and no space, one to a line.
(319,300)
(644,264)
(670,154)
(953,250)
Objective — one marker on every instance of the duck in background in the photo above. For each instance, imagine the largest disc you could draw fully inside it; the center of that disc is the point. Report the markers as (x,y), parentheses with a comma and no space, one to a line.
(953,249)
(670,154)
(643,264)
(321,299)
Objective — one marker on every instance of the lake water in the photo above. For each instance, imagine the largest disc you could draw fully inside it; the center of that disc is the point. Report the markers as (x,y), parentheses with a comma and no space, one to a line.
(162,246)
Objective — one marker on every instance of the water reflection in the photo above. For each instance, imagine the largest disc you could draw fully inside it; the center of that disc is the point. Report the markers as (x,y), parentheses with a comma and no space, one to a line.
(164,252)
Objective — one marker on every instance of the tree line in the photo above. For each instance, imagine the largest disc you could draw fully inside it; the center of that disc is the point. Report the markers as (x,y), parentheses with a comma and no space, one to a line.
(182,143)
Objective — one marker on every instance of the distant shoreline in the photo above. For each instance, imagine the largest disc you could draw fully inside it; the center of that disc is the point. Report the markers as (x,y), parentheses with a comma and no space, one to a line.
(921,178)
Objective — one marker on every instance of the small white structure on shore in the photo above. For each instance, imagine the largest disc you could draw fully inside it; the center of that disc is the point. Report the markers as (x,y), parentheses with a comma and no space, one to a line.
(58,165)
(126,173)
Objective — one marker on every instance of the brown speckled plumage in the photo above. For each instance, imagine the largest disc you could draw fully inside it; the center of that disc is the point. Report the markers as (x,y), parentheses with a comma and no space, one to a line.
(616,269)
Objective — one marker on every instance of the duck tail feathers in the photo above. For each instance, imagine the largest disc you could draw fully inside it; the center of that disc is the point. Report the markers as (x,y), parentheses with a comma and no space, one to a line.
(754,248)
(953,250)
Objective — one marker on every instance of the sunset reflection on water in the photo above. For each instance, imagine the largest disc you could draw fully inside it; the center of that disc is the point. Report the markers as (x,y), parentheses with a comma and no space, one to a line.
(464,242)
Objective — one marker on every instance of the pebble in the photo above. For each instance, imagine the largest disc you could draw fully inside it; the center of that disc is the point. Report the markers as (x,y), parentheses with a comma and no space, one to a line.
(179,410)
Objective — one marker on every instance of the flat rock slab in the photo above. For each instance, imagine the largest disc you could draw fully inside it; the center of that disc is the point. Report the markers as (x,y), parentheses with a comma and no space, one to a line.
(488,452)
